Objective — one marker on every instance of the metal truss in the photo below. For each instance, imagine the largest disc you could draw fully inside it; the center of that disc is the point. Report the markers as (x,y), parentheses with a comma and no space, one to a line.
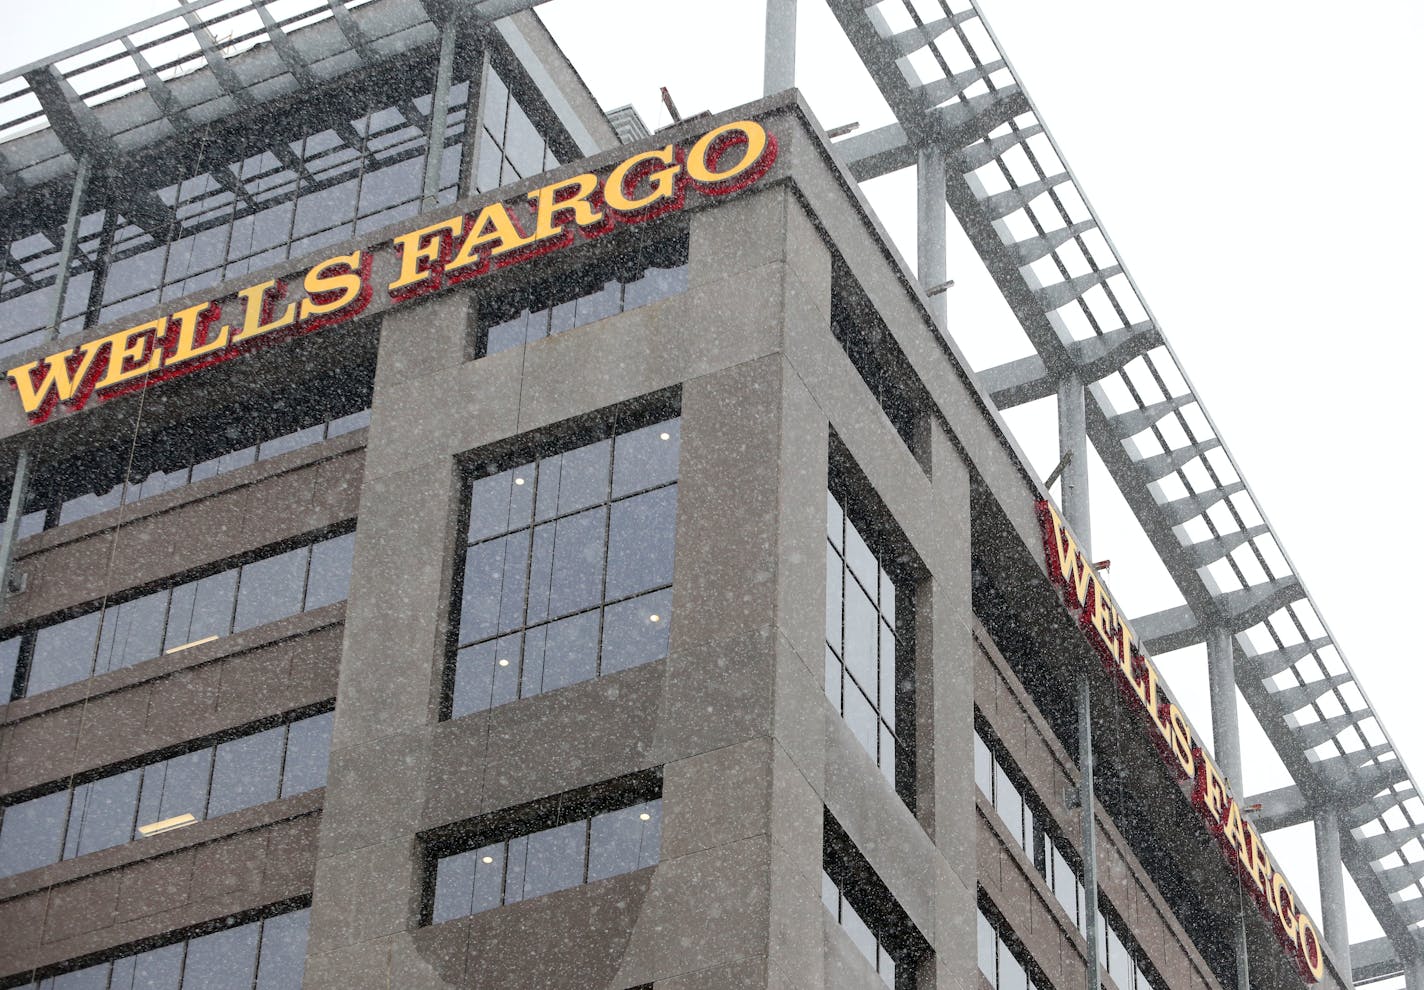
(954,94)
(959,111)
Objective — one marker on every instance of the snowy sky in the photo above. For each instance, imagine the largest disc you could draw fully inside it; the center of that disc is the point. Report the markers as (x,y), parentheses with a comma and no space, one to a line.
(1252,171)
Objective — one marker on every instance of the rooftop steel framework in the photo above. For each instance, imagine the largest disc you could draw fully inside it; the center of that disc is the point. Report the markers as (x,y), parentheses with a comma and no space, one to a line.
(965,121)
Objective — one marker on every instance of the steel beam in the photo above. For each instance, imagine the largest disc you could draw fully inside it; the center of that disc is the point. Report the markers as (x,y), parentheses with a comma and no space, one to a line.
(1073,443)
(1225,730)
(439,113)
(931,234)
(779,57)
(1332,885)
(9,530)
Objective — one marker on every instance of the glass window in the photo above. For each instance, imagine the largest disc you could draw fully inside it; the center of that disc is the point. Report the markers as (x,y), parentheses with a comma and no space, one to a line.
(549,859)
(642,275)
(568,570)
(204,783)
(270,589)
(867,675)
(224,960)
(125,633)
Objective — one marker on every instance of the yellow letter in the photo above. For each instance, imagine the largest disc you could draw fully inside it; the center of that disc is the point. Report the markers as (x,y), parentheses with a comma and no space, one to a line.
(1234,833)
(1283,900)
(1210,792)
(58,378)
(1310,950)
(1261,867)
(192,323)
(494,226)
(1181,740)
(258,302)
(705,157)
(331,292)
(547,206)
(1065,563)
(129,347)
(419,252)
(663,181)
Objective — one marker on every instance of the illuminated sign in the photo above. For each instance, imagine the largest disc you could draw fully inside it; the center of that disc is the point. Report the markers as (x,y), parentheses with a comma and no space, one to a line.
(1140,685)
(646,185)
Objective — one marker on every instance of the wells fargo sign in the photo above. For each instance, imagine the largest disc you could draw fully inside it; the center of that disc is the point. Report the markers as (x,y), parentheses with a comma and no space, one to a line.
(643,186)
(1141,686)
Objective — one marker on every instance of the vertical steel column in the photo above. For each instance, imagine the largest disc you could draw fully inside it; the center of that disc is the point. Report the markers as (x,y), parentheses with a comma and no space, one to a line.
(11,526)
(931,236)
(1332,888)
(1073,439)
(1090,829)
(475,123)
(439,111)
(66,250)
(1225,731)
(779,67)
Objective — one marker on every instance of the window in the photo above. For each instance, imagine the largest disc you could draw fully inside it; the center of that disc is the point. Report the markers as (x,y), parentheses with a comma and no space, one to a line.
(869,665)
(173,463)
(173,619)
(860,903)
(634,278)
(1002,963)
(568,569)
(511,147)
(1003,784)
(551,846)
(160,796)
(259,955)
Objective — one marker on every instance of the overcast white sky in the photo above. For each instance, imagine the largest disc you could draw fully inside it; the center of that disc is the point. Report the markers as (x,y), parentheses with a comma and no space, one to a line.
(1253,171)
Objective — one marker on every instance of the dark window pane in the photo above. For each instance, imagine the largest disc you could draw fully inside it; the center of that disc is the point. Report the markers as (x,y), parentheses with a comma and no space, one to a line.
(560,653)
(223,960)
(246,772)
(290,442)
(158,969)
(270,589)
(201,609)
(640,542)
(131,632)
(308,753)
(516,854)
(834,575)
(175,787)
(860,717)
(89,978)
(391,185)
(573,480)
(103,813)
(1011,972)
(986,941)
(624,840)
(600,303)
(32,833)
(636,631)
(481,681)
(646,458)
(522,144)
(63,653)
(655,284)
(576,577)
(555,859)
(861,627)
(862,561)
(454,886)
(284,950)
(330,577)
(9,658)
(494,582)
(501,502)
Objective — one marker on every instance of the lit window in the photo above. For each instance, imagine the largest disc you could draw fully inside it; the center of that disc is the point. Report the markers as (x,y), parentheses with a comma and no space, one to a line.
(568,570)
(576,841)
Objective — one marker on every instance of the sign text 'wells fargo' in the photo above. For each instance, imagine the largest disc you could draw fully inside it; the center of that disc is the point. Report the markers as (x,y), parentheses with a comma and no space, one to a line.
(1140,684)
(643,186)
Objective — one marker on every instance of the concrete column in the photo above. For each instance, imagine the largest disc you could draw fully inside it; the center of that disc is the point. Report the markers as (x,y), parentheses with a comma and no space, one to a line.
(780,66)
(1332,888)
(1073,439)
(1414,974)
(1225,732)
(930,231)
